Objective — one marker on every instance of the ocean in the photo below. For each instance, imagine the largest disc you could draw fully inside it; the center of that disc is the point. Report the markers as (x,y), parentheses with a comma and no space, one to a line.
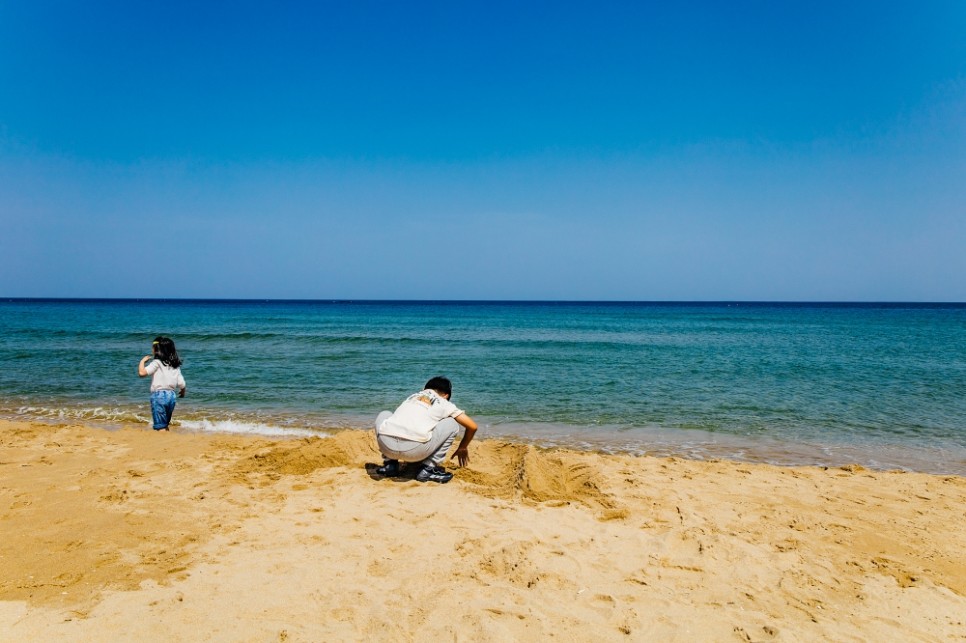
(879,385)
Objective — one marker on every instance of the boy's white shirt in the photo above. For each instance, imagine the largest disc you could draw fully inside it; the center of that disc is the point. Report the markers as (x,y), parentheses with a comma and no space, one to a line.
(418,415)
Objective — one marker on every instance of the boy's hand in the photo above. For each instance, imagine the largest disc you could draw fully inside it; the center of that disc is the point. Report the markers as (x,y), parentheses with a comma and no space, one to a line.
(462,456)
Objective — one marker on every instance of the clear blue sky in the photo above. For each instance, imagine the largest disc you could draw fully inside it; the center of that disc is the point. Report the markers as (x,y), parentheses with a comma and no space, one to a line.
(492,150)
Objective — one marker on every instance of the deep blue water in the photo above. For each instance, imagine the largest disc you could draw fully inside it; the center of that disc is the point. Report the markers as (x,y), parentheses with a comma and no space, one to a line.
(883,385)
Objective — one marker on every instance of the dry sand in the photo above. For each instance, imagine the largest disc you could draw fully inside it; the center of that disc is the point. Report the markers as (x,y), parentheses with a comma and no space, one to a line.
(132,535)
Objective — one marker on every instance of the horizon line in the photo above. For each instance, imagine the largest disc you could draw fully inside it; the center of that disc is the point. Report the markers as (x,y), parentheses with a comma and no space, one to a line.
(339,300)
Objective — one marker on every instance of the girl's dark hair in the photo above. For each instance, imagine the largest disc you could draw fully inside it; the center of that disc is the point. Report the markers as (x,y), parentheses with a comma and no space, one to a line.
(441,385)
(165,351)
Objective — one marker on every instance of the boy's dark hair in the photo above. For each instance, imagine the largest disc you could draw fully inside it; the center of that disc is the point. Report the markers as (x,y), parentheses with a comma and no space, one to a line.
(441,385)
(166,352)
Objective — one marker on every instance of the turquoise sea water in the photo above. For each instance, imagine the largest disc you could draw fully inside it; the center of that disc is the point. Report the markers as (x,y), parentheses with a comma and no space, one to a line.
(879,385)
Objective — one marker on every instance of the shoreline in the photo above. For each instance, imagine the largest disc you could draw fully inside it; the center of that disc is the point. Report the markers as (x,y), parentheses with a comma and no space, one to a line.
(226,537)
(690,444)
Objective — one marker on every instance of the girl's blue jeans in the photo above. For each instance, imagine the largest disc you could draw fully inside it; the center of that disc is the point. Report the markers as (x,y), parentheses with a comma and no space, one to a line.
(162,407)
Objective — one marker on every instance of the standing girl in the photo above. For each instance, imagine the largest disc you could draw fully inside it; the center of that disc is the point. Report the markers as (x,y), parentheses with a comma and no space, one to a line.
(166,378)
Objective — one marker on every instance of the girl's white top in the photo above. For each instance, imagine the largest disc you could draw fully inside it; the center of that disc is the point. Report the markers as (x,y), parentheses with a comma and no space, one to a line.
(163,377)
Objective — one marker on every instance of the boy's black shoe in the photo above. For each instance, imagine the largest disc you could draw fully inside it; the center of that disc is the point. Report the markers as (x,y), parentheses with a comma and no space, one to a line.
(434,474)
(389,469)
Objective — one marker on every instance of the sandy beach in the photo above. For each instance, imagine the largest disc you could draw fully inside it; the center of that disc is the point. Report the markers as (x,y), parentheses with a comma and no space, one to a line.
(128,534)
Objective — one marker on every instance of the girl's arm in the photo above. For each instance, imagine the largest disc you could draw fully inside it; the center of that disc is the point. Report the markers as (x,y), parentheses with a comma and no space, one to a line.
(141,370)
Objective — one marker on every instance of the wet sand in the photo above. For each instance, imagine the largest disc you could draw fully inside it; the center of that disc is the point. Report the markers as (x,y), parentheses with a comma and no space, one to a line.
(131,534)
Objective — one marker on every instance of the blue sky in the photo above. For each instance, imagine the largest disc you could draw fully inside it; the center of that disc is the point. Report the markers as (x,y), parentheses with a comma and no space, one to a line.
(598,150)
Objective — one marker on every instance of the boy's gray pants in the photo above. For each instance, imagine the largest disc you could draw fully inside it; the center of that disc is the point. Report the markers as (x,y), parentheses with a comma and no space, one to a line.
(431,453)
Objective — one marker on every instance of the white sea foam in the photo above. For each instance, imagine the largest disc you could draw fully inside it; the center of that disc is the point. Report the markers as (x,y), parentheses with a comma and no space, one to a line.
(249,428)
(114,416)
(99,414)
